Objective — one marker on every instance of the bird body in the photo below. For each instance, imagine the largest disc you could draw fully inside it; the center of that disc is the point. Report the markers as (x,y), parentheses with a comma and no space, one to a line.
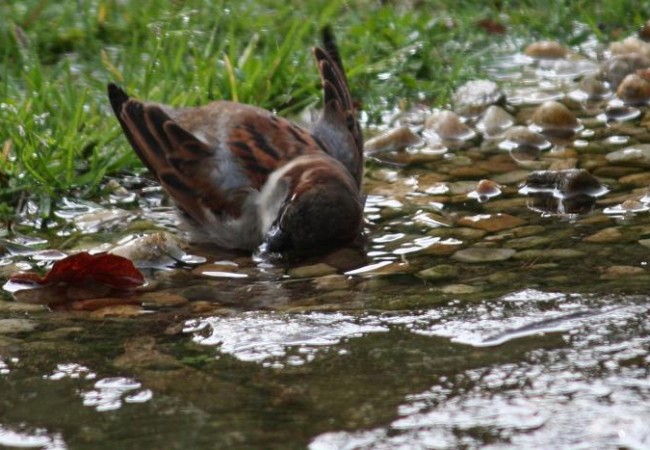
(242,176)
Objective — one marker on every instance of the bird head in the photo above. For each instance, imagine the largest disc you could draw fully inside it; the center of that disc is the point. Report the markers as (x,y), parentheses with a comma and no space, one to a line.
(320,207)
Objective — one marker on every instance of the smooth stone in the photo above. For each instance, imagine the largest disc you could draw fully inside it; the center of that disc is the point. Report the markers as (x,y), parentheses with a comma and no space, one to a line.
(396,139)
(615,272)
(491,222)
(474,97)
(638,179)
(201,292)
(546,50)
(636,154)
(468,172)
(549,254)
(503,277)
(528,242)
(119,311)
(94,304)
(162,299)
(462,233)
(443,248)
(514,177)
(437,273)
(614,171)
(458,289)
(505,204)
(611,235)
(202,306)
(21,307)
(479,254)
(142,352)
(461,187)
(61,333)
(12,326)
(312,271)
(332,282)
(528,230)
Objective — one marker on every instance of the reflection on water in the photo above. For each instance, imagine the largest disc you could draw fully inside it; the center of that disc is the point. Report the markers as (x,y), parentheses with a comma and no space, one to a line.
(500,300)
(38,438)
(109,393)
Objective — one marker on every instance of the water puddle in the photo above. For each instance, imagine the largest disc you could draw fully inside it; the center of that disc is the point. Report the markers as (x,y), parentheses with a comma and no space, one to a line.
(500,299)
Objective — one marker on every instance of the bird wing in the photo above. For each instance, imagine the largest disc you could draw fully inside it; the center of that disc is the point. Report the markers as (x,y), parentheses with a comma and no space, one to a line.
(209,158)
(338,128)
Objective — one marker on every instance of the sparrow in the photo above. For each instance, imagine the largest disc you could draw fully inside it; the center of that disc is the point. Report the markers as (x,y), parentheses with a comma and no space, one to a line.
(243,178)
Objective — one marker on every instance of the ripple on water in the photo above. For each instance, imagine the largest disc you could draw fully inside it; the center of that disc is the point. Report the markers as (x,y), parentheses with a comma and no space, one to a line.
(592,393)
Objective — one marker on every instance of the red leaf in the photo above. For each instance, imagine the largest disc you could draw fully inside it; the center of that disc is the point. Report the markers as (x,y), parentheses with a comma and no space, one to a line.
(83,268)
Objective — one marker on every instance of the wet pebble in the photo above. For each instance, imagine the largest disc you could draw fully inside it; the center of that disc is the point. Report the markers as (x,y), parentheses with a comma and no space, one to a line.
(459,289)
(438,273)
(396,139)
(491,222)
(631,45)
(620,112)
(118,311)
(520,137)
(311,271)
(635,155)
(549,254)
(627,207)
(13,326)
(202,292)
(100,220)
(555,119)
(616,68)
(98,303)
(494,122)
(162,299)
(615,272)
(546,50)
(529,242)
(481,254)
(446,125)
(332,282)
(154,250)
(473,97)
(513,177)
(485,190)
(634,89)
(591,88)
(6,306)
(611,235)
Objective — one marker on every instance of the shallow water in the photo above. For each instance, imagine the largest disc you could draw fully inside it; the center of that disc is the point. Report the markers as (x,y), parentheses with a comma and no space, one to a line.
(515,322)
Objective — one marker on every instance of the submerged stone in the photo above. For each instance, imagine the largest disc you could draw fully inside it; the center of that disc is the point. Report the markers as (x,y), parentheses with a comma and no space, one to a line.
(482,254)
(635,155)
(491,222)
(312,271)
(13,326)
(438,273)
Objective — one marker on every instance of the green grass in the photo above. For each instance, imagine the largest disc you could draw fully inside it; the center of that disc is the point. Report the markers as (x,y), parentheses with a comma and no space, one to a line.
(57,134)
